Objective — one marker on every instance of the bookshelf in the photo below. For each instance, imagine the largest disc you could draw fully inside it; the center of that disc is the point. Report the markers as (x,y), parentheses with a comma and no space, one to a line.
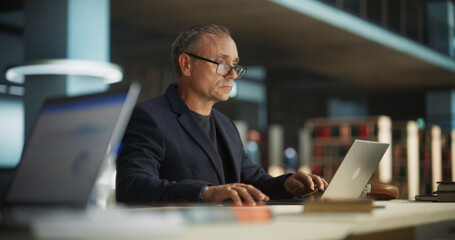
(452,154)
(447,156)
(425,161)
(420,158)
(416,160)
(325,141)
(436,158)
(405,163)
(400,157)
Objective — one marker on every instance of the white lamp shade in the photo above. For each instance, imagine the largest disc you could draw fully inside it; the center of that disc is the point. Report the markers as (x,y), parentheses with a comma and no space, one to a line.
(111,73)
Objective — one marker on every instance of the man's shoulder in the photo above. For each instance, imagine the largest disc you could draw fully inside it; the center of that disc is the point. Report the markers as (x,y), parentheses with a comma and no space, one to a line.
(155,105)
(157,101)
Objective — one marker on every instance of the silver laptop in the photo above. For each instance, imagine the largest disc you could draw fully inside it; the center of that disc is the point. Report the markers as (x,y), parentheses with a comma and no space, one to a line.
(52,188)
(70,142)
(356,170)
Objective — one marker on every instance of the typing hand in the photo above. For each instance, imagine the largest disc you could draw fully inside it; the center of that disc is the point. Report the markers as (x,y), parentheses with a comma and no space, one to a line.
(240,194)
(302,183)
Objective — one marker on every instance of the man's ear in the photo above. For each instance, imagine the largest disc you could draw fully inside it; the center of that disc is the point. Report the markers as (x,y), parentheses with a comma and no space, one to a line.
(185,64)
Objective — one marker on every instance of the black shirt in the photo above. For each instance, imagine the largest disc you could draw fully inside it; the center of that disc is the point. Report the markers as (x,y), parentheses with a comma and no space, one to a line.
(208,126)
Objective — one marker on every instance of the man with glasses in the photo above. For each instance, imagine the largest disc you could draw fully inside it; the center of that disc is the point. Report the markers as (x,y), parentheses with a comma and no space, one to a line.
(178,148)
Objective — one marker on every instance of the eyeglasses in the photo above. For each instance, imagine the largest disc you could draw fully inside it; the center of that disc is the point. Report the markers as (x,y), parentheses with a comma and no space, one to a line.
(222,68)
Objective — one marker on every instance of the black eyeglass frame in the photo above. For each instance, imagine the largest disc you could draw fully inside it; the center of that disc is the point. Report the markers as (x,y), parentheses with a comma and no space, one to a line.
(218,65)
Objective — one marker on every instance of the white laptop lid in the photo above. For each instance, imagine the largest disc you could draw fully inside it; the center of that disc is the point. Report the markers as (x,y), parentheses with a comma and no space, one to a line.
(355,170)
(70,141)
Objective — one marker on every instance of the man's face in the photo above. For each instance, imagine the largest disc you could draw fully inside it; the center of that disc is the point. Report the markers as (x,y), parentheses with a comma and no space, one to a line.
(207,85)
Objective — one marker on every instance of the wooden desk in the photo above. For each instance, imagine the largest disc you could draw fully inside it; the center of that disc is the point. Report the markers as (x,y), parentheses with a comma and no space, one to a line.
(398,219)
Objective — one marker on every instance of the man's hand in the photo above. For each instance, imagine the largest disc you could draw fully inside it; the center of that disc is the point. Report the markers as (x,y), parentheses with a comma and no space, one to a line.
(302,183)
(239,193)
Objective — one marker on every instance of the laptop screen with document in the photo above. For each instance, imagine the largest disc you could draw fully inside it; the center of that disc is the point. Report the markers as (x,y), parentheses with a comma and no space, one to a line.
(70,140)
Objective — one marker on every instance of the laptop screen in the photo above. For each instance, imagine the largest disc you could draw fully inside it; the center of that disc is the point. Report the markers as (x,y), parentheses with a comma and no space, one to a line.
(355,170)
(66,149)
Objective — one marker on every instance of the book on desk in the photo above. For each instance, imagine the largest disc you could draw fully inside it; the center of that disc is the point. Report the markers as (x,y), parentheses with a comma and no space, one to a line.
(446,186)
(359,205)
(445,193)
(445,196)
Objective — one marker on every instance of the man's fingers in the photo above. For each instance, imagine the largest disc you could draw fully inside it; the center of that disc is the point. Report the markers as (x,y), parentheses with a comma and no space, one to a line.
(250,194)
(306,179)
(312,181)
(245,195)
(239,193)
(234,195)
(319,182)
(325,183)
(295,187)
(256,193)
(322,184)
(302,183)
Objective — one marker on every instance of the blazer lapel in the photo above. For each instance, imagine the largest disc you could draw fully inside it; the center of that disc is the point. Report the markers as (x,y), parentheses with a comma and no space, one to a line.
(192,127)
(221,130)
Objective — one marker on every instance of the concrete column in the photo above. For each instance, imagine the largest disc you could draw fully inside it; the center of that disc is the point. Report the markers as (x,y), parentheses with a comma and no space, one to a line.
(63,29)
(276,146)
(436,157)
(305,149)
(440,109)
(385,136)
(452,154)
(441,25)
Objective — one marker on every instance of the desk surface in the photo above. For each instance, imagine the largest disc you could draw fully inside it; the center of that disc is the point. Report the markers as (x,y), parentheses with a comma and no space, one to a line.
(288,222)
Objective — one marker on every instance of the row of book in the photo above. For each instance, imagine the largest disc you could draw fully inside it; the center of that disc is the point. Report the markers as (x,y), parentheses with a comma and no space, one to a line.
(331,139)
(346,130)
(330,150)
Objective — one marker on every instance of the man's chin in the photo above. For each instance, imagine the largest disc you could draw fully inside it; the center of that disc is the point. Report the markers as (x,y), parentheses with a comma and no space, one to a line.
(223,99)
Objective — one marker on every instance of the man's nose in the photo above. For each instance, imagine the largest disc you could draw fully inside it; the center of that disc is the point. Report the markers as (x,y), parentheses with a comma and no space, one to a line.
(232,74)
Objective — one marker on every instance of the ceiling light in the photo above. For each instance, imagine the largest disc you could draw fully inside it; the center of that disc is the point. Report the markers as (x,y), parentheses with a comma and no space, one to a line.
(111,73)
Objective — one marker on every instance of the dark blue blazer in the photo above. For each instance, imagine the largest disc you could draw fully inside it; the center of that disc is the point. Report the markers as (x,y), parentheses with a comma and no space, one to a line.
(167,157)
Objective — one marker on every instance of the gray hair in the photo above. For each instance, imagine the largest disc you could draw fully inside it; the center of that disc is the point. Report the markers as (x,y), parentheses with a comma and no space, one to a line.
(187,41)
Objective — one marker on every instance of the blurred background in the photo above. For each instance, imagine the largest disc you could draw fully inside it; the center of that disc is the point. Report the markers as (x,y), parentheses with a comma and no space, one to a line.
(321,73)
